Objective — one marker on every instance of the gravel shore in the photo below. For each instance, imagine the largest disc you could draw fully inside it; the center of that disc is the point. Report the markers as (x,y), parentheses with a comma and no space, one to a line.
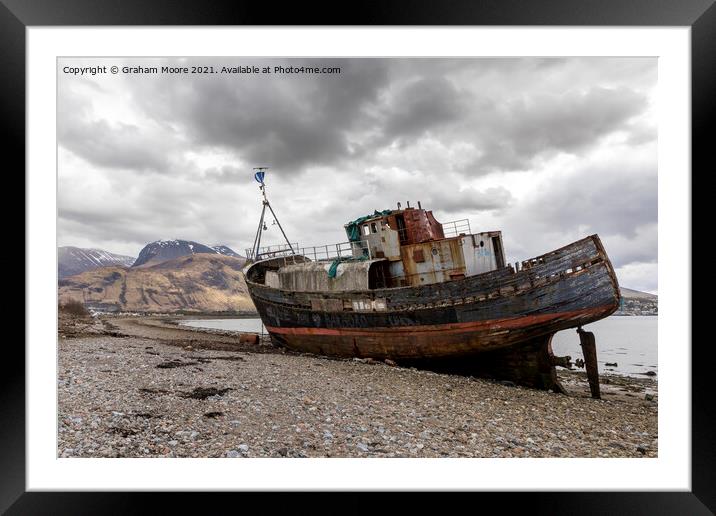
(138,387)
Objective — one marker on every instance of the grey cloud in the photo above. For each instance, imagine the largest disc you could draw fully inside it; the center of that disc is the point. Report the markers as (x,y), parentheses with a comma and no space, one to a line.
(471,199)
(226,174)
(284,121)
(292,122)
(152,212)
(619,203)
(423,105)
(115,144)
(382,131)
(118,146)
(607,199)
(640,247)
(641,134)
(518,131)
(641,276)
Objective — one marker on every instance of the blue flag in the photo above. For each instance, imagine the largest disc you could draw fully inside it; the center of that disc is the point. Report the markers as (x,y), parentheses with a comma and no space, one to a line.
(259,176)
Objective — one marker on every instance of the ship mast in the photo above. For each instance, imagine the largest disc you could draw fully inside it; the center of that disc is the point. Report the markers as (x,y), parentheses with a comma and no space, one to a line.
(259,174)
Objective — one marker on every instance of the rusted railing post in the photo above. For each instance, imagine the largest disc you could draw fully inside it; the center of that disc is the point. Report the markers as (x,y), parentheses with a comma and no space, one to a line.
(589,350)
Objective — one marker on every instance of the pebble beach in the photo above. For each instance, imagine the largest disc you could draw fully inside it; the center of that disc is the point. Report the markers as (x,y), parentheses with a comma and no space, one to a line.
(145,387)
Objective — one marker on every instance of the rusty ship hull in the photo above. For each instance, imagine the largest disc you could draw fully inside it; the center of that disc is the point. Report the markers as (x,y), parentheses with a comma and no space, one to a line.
(498,323)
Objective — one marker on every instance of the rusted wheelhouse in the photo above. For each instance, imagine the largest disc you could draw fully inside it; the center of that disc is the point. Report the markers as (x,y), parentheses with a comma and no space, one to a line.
(406,288)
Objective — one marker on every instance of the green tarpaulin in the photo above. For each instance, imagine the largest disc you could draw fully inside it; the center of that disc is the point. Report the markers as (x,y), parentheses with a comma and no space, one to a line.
(353,227)
(333,270)
(353,232)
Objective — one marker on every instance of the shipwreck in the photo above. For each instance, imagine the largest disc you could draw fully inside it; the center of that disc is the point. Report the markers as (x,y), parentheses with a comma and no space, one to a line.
(405,288)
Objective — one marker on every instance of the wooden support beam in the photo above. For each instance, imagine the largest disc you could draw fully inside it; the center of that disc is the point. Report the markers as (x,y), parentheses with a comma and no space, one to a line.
(589,350)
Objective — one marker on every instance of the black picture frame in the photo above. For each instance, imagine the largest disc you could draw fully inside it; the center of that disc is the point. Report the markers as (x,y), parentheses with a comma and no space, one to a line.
(700,15)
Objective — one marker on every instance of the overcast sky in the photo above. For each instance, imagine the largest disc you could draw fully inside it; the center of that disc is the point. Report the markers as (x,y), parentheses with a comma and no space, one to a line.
(545,150)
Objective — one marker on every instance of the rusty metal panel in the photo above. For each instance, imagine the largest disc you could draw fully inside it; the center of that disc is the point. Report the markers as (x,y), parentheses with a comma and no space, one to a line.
(440,260)
(435,227)
(420,226)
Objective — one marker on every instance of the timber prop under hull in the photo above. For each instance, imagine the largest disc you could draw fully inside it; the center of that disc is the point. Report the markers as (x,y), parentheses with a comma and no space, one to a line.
(497,324)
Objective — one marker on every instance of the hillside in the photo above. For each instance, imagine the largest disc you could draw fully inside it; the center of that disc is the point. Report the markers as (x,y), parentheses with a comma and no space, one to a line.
(75,260)
(201,282)
(635,302)
(628,293)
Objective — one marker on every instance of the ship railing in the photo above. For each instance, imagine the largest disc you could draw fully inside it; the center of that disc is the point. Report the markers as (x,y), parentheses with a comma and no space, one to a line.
(342,250)
(456,227)
(271,251)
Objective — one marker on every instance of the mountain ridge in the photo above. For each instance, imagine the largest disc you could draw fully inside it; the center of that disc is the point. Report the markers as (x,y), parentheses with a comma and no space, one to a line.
(224,249)
(199,283)
(163,250)
(73,260)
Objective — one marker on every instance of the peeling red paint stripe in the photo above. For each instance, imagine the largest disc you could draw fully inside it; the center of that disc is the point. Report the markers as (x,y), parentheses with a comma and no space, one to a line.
(497,324)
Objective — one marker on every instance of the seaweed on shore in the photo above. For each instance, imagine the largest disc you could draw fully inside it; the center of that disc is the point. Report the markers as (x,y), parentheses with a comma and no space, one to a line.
(201,393)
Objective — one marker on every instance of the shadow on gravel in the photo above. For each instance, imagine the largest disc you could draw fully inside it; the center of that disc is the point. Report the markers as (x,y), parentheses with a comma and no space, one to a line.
(171,364)
(206,342)
(154,391)
(124,432)
(233,359)
(201,393)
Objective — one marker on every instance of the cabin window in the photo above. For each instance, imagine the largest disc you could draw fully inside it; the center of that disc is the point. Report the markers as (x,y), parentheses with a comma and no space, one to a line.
(373,227)
(366,230)
(418,256)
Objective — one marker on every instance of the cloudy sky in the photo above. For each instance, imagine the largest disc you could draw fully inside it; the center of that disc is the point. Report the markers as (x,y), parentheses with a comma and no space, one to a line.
(545,150)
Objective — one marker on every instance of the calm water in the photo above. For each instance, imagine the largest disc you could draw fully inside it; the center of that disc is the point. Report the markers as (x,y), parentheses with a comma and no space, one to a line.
(630,341)
(241,325)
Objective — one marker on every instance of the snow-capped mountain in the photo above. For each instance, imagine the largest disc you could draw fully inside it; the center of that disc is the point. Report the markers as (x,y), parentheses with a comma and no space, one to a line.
(163,250)
(201,282)
(75,260)
(225,250)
